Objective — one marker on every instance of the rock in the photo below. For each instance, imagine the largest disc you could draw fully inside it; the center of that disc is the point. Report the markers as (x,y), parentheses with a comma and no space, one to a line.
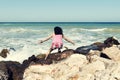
(104,56)
(40,56)
(11,70)
(57,71)
(86,49)
(40,59)
(4,53)
(61,56)
(3,75)
(110,41)
(75,67)
(113,52)
(97,46)
(27,62)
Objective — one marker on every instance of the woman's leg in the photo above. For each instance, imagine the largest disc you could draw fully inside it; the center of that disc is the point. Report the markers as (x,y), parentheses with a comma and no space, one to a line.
(50,50)
(59,50)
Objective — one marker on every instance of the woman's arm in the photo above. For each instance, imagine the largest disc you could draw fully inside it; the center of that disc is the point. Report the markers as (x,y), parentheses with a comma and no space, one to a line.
(49,37)
(68,40)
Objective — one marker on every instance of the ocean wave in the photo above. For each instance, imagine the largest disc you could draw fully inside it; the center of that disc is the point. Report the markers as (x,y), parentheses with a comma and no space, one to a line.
(111,30)
(17,30)
(85,29)
(94,30)
(115,30)
(21,30)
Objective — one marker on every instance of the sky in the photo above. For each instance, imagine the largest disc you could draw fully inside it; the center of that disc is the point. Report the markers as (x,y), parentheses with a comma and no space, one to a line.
(59,10)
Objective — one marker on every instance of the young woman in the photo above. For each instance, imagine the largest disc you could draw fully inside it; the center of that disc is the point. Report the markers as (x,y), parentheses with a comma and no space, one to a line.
(57,42)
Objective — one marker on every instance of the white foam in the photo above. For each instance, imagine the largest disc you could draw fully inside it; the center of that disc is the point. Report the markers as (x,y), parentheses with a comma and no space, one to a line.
(94,30)
(17,30)
(27,45)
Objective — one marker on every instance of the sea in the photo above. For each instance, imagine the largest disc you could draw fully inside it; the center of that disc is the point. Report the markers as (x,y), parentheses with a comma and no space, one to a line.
(22,38)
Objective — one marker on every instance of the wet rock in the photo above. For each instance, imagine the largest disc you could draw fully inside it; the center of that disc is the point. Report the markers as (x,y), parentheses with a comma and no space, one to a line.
(40,59)
(4,53)
(109,42)
(86,49)
(11,70)
(62,55)
(27,62)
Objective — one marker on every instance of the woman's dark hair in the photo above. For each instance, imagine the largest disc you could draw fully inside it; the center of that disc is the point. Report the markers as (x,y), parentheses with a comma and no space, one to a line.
(58,30)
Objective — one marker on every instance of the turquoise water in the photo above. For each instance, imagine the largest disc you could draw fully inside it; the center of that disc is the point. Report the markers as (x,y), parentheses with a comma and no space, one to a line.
(24,36)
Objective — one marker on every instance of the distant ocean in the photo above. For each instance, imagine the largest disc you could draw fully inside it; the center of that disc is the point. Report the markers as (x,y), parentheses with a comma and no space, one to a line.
(24,36)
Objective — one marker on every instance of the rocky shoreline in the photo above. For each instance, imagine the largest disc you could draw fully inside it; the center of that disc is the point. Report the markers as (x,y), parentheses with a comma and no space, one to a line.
(98,61)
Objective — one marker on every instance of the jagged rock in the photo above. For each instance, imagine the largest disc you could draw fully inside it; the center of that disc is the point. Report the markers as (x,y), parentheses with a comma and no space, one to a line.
(27,62)
(3,75)
(85,50)
(75,67)
(40,59)
(40,56)
(104,56)
(4,53)
(113,52)
(98,53)
(109,42)
(11,70)
(62,55)
(56,71)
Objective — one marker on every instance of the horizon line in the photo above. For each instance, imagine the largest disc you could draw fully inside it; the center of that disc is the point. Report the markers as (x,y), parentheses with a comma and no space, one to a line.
(61,21)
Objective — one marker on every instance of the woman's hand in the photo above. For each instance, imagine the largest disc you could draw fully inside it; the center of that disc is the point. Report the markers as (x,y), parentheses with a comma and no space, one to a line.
(41,41)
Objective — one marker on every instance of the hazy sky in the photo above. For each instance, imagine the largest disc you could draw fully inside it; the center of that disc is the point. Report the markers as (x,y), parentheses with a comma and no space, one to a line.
(59,10)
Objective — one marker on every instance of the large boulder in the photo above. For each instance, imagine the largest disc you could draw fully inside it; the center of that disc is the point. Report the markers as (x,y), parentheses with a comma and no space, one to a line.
(109,42)
(40,59)
(98,48)
(86,49)
(76,67)
(10,70)
(113,52)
